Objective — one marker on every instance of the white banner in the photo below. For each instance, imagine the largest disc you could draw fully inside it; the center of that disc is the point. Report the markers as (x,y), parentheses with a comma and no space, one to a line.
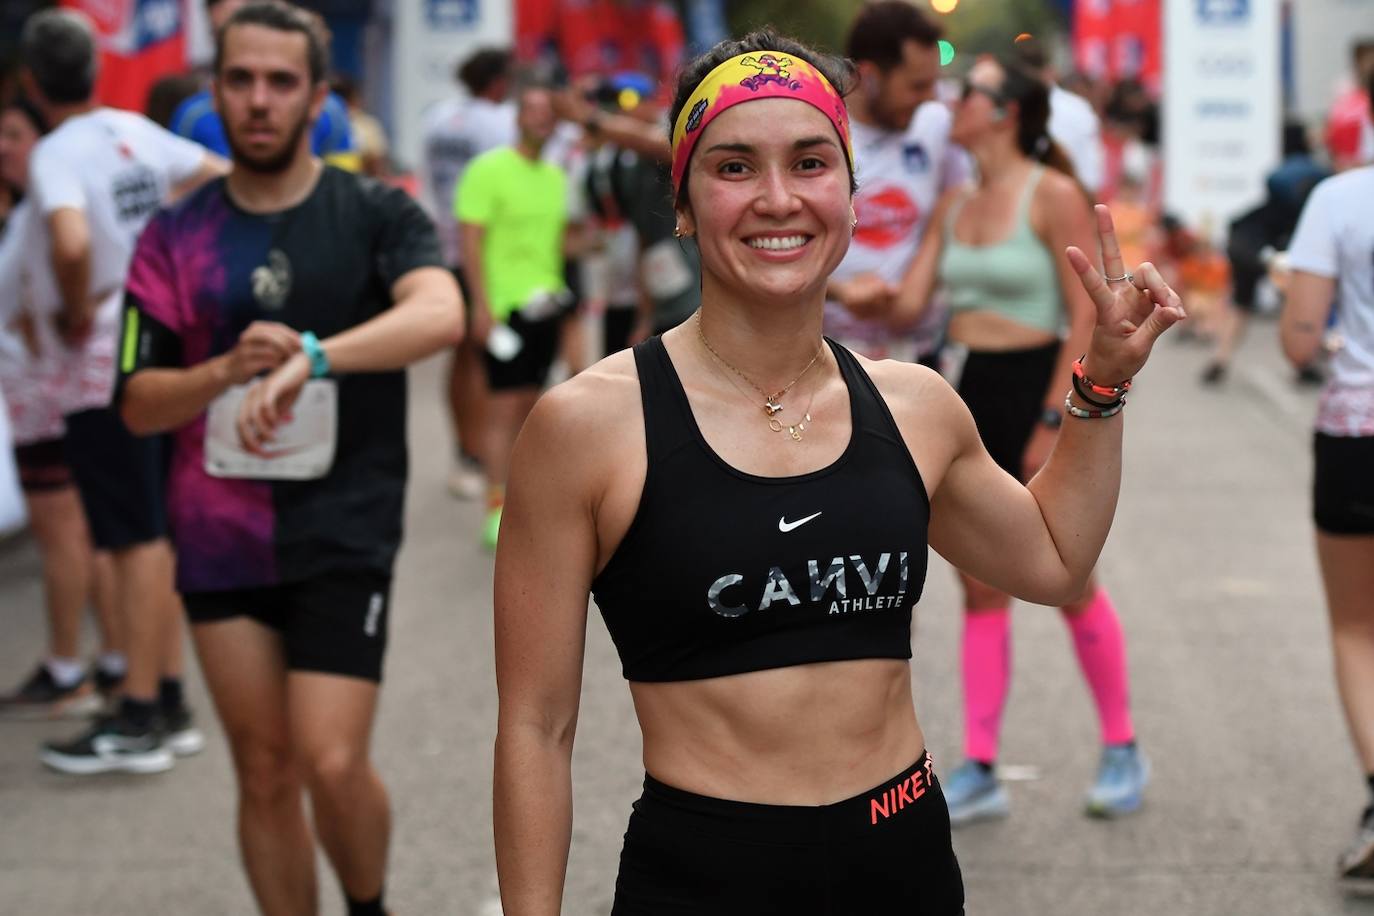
(1222,107)
(430,38)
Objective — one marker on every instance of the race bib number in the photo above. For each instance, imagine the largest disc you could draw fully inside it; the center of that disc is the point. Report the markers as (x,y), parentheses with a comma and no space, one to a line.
(303,448)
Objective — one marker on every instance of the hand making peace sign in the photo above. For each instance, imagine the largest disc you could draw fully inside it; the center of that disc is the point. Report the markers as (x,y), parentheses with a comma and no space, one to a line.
(1133,308)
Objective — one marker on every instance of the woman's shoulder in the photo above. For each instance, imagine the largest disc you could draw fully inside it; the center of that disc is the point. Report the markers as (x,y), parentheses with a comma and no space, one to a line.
(1058,189)
(910,390)
(599,402)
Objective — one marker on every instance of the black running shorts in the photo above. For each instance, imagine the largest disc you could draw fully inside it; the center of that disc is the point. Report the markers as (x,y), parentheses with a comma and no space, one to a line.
(121,478)
(1005,392)
(1343,484)
(887,850)
(530,367)
(333,624)
(43,466)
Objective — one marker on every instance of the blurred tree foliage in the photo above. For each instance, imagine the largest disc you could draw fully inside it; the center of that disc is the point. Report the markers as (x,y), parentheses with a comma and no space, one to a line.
(975,26)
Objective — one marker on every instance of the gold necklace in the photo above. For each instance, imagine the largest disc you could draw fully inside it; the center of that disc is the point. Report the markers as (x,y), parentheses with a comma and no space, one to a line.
(771,402)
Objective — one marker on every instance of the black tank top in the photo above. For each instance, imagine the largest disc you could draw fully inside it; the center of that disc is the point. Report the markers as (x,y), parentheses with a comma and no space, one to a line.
(723,572)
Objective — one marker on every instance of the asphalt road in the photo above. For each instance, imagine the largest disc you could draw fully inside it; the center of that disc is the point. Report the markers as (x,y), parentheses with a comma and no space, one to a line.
(1212,568)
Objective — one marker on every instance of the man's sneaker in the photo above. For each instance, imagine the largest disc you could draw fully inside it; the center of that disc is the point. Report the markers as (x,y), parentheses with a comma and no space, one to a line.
(974,793)
(180,735)
(1356,864)
(1122,776)
(111,745)
(467,480)
(491,528)
(40,697)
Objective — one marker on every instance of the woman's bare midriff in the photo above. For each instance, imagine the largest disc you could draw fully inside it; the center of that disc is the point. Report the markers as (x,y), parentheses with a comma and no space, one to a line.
(804,735)
(988,331)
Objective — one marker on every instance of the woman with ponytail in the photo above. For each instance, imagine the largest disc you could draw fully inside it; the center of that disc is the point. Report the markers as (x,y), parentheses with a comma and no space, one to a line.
(1018,308)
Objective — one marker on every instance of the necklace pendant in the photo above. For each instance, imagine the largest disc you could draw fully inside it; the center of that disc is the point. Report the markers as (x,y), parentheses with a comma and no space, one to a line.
(774,425)
(795,433)
(771,408)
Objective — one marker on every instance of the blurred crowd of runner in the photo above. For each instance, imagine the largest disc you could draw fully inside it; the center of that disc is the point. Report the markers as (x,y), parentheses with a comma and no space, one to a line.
(548,200)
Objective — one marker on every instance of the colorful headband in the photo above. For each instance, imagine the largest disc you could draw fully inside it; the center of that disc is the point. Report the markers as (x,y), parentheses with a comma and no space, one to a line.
(756,75)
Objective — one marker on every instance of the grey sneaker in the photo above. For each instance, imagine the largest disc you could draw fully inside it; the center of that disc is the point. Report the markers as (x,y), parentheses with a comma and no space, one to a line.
(1356,864)
(1122,776)
(974,793)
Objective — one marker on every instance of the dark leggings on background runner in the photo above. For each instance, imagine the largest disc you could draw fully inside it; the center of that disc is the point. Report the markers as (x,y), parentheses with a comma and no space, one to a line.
(1005,392)
(884,851)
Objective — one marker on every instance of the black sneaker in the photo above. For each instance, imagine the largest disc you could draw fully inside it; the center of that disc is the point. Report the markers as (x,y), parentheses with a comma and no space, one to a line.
(179,732)
(40,697)
(112,745)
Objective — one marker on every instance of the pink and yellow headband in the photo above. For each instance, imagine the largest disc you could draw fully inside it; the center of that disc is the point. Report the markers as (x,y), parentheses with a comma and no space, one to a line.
(756,75)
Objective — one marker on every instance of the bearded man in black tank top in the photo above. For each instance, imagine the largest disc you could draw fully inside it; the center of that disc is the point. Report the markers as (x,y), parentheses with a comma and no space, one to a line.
(762,616)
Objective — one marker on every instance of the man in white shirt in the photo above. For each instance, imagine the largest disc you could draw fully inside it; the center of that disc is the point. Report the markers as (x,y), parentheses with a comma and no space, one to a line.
(457,131)
(904,161)
(1073,123)
(95,180)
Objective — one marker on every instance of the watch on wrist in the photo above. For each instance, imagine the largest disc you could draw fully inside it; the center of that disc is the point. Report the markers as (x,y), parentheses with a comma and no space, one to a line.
(1052,417)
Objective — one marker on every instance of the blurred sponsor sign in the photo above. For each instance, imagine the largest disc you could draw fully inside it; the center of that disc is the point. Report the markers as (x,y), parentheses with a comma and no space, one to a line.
(452,14)
(1221,106)
(429,39)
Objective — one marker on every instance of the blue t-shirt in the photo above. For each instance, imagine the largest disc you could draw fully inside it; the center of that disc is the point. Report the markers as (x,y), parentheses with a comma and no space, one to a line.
(196,119)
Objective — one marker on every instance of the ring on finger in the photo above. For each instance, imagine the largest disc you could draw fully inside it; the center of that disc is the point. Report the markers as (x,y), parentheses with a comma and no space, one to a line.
(1128,277)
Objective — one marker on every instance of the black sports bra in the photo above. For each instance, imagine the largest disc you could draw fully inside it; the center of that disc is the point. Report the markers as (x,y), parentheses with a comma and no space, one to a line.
(723,572)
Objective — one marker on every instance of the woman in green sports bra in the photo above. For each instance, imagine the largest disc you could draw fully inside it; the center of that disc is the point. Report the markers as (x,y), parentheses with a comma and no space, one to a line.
(1017,307)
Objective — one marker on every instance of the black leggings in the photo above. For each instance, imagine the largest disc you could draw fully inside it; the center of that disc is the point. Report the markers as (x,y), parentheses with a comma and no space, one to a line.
(884,851)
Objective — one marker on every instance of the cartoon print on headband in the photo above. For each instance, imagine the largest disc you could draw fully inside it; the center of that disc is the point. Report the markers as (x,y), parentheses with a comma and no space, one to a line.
(694,117)
(772,69)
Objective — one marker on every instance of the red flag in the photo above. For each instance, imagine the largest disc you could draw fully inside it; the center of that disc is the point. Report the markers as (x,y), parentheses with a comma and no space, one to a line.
(140,42)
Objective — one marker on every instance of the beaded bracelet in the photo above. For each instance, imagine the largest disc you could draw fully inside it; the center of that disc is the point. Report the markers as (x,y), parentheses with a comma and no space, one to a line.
(1074,410)
(1113,392)
(1086,393)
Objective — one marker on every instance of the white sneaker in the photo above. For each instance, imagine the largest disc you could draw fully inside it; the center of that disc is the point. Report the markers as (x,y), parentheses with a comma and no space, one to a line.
(466,480)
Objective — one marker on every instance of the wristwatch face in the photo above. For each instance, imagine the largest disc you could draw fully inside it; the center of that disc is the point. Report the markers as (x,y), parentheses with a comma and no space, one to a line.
(1052,418)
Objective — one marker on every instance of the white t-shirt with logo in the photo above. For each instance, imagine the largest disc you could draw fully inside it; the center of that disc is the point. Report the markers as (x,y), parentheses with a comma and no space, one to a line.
(1335,239)
(456,131)
(117,167)
(901,176)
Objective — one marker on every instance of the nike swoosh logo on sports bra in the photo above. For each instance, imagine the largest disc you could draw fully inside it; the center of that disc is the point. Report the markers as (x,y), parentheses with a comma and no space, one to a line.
(785,526)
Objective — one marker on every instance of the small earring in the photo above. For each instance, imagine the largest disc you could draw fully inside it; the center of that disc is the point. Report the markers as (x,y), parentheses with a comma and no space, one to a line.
(854,224)
(677,232)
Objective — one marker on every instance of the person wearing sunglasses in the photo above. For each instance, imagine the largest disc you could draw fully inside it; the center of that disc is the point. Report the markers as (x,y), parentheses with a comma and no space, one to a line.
(1023,317)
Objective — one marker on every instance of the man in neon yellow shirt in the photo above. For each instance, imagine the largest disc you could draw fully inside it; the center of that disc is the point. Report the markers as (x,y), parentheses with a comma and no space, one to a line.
(512,212)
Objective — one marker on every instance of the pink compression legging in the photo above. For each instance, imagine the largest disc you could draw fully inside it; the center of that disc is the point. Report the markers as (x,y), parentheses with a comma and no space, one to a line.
(1101,650)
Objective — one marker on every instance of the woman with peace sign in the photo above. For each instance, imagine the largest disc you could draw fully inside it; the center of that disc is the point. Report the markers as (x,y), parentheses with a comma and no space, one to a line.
(1023,317)
(750,505)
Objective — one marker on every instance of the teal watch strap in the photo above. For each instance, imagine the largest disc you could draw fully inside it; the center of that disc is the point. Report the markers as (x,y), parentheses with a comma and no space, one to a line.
(314,351)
